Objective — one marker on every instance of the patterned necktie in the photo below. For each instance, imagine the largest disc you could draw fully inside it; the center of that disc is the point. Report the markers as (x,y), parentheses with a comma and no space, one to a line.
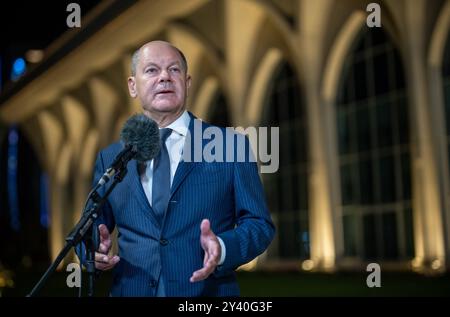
(161,177)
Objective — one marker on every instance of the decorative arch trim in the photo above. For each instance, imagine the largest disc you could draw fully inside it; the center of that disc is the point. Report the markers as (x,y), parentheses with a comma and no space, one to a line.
(264,74)
(339,52)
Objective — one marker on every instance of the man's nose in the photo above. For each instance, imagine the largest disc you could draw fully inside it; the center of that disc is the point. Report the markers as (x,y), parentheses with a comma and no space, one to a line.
(164,75)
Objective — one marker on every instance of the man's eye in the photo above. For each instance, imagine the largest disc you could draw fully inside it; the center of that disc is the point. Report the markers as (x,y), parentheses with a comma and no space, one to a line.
(175,70)
(151,70)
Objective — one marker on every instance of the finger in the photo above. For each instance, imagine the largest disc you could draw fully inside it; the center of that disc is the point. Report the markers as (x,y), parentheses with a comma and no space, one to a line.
(200,274)
(103,266)
(104,233)
(205,227)
(204,272)
(105,239)
(101,258)
(103,248)
(106,264)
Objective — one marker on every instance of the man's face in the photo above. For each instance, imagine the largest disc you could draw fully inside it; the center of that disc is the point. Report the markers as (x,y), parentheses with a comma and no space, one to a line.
(160,82)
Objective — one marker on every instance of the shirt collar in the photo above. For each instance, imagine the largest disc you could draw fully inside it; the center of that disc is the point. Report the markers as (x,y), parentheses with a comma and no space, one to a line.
(181,125)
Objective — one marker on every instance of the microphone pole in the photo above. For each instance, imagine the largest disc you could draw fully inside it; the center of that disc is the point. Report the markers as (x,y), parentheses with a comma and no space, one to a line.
(80,231)
(141,137)
(88,237)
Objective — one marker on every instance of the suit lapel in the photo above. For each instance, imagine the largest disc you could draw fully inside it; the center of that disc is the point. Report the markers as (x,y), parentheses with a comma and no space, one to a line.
(184,168)
(135,178)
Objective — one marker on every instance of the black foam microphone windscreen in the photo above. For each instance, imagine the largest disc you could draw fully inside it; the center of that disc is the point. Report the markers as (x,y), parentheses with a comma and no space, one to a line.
(142,133)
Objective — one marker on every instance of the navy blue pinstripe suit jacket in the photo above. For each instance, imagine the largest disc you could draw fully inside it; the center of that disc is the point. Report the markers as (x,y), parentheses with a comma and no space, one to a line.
(229,194)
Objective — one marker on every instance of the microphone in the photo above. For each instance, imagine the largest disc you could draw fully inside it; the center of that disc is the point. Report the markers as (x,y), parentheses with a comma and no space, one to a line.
(140,137)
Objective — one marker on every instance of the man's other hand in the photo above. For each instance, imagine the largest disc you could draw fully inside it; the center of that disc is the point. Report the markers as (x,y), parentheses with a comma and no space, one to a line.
(211,246)
(103,261)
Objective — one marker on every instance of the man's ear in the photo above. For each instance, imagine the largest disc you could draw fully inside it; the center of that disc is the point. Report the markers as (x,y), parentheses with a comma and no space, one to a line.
(132,86)
(188,83)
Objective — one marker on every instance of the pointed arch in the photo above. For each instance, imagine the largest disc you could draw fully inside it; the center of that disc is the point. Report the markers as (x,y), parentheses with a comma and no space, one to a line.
(274,32)
(105,105)
(374,153)
(340,49)
(286,190)
(262,79)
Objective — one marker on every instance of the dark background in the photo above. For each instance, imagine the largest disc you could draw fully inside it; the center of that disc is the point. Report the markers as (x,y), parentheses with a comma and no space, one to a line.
(28,25)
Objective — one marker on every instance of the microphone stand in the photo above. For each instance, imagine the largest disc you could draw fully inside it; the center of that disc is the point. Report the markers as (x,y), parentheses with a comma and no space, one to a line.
(83,231)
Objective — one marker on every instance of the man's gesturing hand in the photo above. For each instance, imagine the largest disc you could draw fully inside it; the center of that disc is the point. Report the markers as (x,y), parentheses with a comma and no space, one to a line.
(211,246)
(103,261)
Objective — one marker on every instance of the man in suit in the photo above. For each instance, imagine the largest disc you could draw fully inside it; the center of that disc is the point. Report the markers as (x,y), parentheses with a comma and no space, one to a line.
(183,226)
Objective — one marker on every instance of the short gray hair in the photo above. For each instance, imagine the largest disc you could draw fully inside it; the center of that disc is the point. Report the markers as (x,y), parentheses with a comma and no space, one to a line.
(137,53)
(135,61)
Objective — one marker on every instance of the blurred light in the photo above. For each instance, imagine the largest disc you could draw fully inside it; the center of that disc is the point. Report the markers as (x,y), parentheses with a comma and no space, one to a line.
(13,198)
(5,279)
(328,264)
(436,264)
(13,137)
(34,56)
(305,241)
(12,163)
(18,68)
(43,210)
(416,263)
(307,265)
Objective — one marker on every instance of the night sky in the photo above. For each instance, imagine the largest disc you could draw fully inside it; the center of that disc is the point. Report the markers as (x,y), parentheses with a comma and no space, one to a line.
(31,24)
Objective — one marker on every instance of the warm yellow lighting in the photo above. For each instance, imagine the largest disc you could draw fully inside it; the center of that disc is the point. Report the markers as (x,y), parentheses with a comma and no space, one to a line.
(205,94)
(328,264)
(250,266)
(416,263)
(5,278)
(307,265)
(34,56)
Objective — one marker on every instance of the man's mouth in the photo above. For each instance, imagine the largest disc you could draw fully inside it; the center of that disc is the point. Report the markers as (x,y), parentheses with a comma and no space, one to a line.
(164,92)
